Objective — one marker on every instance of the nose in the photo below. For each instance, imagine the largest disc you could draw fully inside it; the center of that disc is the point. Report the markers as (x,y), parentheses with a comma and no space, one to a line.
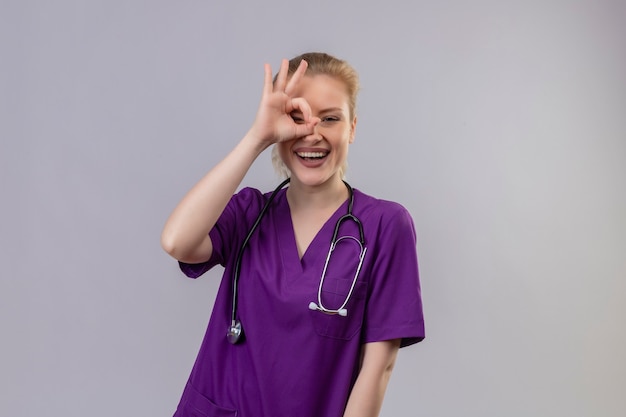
(316,135)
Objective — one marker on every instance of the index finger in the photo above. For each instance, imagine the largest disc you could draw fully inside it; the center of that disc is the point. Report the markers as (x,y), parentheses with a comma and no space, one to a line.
(295,78)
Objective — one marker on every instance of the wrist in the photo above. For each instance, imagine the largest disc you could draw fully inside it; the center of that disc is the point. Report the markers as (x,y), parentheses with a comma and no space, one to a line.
(254,142)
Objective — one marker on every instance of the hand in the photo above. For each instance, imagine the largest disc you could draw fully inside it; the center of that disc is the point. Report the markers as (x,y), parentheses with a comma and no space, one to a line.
(273,122)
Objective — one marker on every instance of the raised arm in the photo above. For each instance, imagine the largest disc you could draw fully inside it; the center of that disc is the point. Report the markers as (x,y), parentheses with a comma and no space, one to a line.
(185,235)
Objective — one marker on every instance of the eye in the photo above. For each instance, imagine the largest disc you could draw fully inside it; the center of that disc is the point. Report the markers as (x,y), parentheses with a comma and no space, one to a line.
(297,118)
(330,119)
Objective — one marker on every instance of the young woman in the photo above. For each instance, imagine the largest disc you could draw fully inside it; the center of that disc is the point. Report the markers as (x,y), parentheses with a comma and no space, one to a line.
(300,327)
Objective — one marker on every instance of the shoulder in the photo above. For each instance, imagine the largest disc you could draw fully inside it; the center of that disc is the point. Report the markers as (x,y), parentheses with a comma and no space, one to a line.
(248,199)
(248,194)
(378,210)
(241,210)
(385,223)
(245,206)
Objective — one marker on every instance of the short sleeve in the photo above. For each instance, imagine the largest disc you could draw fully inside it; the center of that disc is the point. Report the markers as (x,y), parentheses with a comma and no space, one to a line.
(394,309)
(229,231)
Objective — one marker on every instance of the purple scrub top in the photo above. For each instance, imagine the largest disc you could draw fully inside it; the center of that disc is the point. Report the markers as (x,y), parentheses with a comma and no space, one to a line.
(297,362)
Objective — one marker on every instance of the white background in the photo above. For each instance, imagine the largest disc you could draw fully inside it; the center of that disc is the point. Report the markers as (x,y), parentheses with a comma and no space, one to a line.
(500,125)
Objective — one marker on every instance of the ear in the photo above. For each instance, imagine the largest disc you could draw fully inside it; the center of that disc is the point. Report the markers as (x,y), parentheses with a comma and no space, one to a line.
(353,130)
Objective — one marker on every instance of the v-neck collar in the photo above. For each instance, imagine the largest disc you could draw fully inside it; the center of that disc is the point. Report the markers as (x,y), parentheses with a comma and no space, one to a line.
(317,249)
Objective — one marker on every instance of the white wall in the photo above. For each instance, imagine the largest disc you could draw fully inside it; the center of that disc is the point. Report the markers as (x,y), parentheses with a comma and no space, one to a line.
(500,125)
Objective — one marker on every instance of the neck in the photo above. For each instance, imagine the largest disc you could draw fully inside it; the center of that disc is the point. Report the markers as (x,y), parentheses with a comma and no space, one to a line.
(328,195)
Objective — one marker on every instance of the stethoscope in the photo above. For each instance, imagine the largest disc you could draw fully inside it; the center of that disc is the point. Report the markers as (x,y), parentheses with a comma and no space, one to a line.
(235,330)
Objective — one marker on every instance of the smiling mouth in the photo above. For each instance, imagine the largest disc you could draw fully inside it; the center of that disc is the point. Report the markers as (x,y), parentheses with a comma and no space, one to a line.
(312,156)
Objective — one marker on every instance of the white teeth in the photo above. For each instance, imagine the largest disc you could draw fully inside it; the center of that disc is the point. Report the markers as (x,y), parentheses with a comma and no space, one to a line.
(311,154)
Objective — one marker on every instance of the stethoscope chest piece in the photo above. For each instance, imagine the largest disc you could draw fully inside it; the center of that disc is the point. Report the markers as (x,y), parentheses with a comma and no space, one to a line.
(235,332)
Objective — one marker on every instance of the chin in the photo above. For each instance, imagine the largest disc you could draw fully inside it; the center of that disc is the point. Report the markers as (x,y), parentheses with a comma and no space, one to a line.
(313,179)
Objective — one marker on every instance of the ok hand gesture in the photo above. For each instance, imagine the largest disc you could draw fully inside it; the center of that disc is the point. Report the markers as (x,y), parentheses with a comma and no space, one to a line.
(273,122)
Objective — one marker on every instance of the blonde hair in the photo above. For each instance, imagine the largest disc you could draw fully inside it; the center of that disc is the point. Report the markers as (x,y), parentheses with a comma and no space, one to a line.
(321,63)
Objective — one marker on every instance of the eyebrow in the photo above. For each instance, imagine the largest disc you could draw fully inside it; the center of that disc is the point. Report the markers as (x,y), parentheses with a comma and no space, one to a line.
(328,110)
(332,109)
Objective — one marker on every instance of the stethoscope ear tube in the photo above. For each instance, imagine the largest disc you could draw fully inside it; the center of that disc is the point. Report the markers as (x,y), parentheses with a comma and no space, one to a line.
(342,311)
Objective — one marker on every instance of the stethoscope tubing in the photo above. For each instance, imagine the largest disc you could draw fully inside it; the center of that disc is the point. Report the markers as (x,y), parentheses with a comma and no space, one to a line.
(237,269)
(235,331)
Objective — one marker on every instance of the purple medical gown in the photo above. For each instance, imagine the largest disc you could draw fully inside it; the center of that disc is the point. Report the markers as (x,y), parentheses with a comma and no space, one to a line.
(296,362)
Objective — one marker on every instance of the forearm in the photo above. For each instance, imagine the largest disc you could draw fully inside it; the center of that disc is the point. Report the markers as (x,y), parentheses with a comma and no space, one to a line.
(367,396)
(369,389)
(185,235)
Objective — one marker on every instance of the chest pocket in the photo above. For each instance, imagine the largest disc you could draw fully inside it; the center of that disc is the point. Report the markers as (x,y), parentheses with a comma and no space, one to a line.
(194,404)
(334,294)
